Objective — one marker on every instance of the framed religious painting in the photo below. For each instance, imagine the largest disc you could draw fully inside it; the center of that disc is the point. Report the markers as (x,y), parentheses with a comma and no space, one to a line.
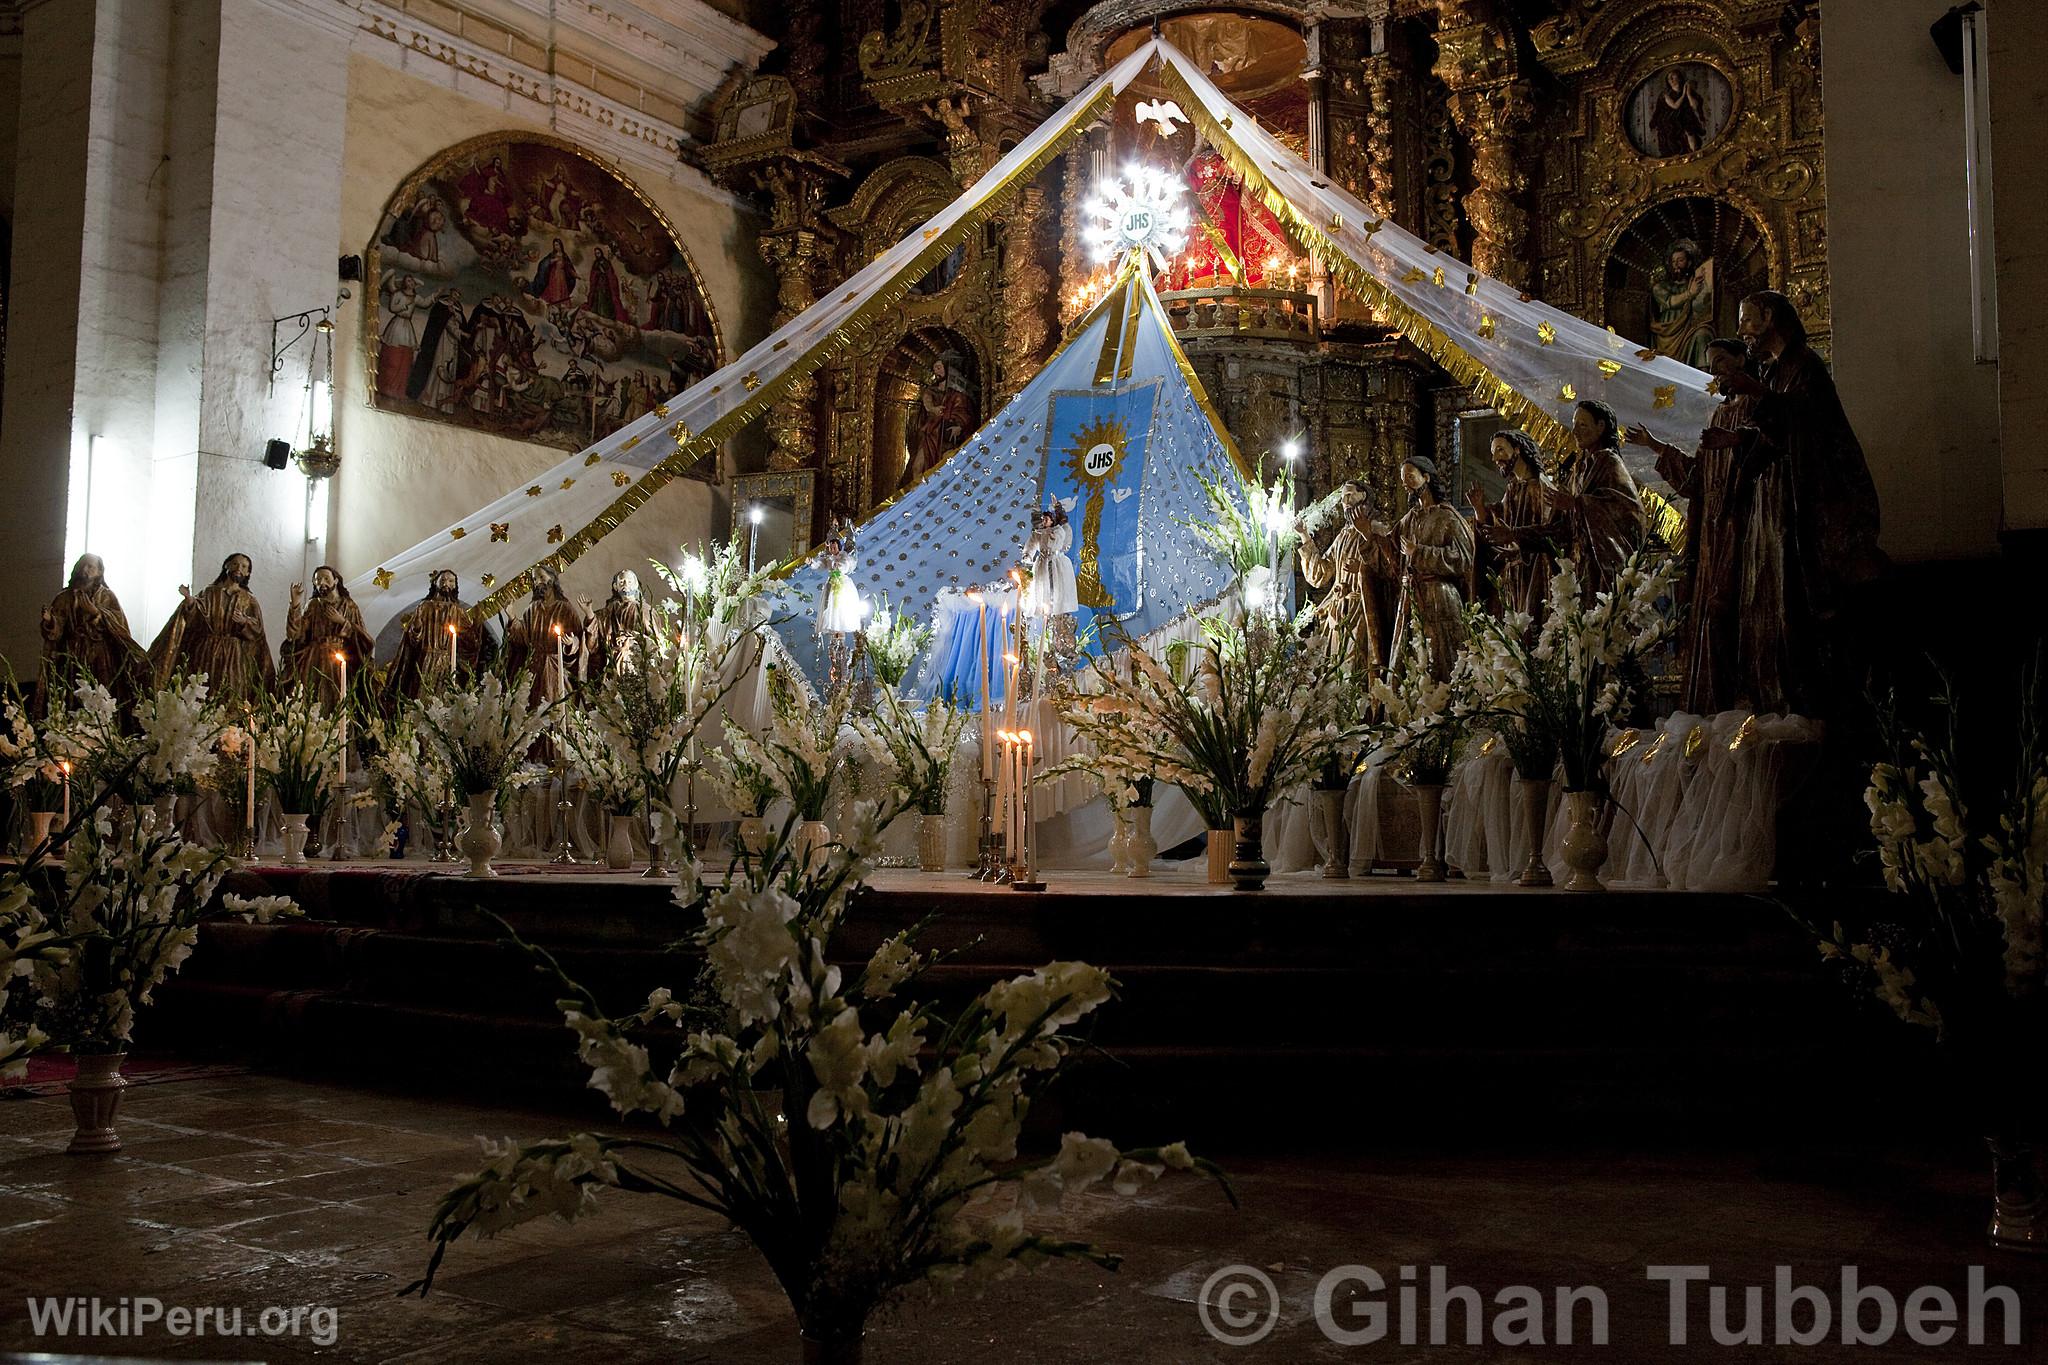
(1679,109)
(520,288)
(771,515)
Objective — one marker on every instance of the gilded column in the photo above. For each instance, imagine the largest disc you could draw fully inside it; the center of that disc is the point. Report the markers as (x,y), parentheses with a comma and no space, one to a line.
(1477,59)
(794,257)
(1025,279)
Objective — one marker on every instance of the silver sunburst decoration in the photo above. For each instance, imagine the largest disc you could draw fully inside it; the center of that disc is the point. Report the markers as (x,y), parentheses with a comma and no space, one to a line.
(1142,212)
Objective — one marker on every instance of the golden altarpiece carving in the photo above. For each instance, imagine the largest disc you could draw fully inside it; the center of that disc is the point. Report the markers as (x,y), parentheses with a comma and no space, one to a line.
(1640,162)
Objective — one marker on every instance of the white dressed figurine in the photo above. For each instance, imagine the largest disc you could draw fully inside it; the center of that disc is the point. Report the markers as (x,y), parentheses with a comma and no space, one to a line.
(1051,592)
(839,603)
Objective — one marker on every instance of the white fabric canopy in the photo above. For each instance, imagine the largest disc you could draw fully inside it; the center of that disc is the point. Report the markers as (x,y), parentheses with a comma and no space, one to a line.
(1524,356)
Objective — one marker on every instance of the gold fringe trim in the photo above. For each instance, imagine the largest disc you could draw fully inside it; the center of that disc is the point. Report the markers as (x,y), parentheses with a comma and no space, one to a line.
(762,396)
(1426,336)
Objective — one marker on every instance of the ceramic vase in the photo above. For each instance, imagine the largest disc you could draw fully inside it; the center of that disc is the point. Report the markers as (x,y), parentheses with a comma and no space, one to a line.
(294,840)
(1248,867)
(1141,848)
(1337,846)
(618,841)
(811,838)
(1221,845)
(480,842)
(1536,820)
(1585,847)
(1119,845)
(96,1100)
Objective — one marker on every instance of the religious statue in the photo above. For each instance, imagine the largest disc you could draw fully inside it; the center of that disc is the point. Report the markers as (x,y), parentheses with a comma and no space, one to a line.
(547,641)
(1350,568)
(1434,549)
(1682,322)
(1712,481)
(1051,594)
(839,607)
(1597,510)
(85,632)
(437,644)
(1813,513)
(1516,530)
(1678,115)
(942,418)
(613,633)
(315,632)
(218,632)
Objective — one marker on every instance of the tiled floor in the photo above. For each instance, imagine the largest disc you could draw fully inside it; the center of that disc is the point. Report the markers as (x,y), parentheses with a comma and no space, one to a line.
(254,1192)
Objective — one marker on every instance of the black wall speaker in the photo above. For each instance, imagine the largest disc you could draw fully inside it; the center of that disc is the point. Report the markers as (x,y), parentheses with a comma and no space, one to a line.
(277,454)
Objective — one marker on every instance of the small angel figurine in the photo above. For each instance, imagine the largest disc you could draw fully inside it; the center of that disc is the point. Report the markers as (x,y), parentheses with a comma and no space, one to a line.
(1051,594)
(839,603)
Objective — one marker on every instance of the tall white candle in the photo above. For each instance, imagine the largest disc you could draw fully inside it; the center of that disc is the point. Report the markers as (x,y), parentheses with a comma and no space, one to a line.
(561,667)
(249,800)
(451,653)
(66,766)
(341,660)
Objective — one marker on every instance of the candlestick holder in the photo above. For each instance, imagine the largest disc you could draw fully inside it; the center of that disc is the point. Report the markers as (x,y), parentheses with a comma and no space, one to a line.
(984,862)
(565,809)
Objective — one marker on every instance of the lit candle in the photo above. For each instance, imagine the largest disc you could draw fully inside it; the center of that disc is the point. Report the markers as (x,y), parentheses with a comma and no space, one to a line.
(451,652)
(561,667)
(249,799)
(341,661)
(1024,830)
(66,766)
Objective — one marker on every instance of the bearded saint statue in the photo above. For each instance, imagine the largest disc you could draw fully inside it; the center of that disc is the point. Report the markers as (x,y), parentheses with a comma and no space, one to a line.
(86,632)
(1351,568)
(325,636)
(218,632)
(612,637)
(438,643)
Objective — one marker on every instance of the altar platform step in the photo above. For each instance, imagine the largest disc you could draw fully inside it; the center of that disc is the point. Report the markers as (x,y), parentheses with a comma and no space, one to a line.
(1331,1008)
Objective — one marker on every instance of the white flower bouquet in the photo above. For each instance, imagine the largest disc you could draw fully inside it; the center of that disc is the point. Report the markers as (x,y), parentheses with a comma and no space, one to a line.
(298,745)
(612,778)
(741,773)
(484,731)
(921,746)
(1554,698)
(894,642)
(802,744)
(865,1144)
(159,746)
(1419,725)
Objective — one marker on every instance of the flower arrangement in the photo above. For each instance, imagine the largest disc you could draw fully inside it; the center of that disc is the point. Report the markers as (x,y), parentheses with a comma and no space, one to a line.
(483,732)
(921,746)
(894,642)
(1554,699)
(1261,709)
(1250,525)
(802,744)
(1418,727)
(866,1145)
(298,741)
(612,778)
(741,772)
(161,744)
(26,763)
(408,770)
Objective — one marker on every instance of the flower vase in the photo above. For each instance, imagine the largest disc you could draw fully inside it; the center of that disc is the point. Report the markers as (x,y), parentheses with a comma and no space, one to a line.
(294,840)
(751,835)
(811,838)
(39,822)
(166,810)
(2019,1197)
(480,839)
(1337,847)
(1536,820)
(1220,848)
(618,841)
(1248,869)
(1429,811)
(96,1100)
(1119,844)
(1585,847)
(657,856)
(1141,848)
(931,842)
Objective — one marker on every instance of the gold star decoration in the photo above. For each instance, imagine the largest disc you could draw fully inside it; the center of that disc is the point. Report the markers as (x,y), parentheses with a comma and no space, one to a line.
(1713,386)
(681,432)
(1487,326)
(588,460)
(1414,276)
(1609,368)
(1437,277)
(1664,395)
(1374,226)
(752,380)
(568,484)
(1429,248)
(457,534)
(533,490)
(500,530)
(555,534)
(1567,392)
(382,578)
(781,345)
(629,443)
(620,478)
(661,409)
(1472,282)
(1526,298)
(1336,222)
(930,233)
(488,579)
(1646,354)
(1545,333)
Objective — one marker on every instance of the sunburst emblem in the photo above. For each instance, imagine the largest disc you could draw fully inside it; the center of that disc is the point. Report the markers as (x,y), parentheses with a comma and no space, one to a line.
(1094,460)
(1143,212)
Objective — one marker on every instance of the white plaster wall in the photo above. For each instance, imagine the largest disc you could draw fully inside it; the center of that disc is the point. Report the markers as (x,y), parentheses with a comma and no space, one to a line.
(2018,35)
(1898,257)
(403,479)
